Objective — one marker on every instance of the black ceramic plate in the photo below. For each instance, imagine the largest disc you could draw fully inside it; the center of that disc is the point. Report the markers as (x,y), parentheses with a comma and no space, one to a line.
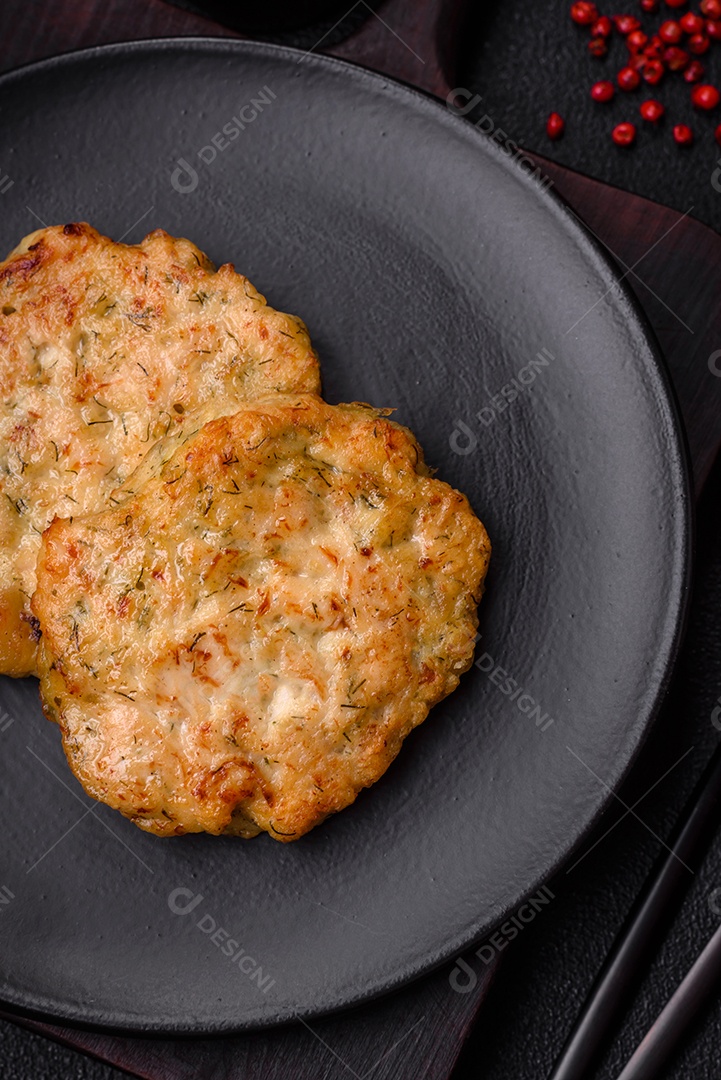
(439,278)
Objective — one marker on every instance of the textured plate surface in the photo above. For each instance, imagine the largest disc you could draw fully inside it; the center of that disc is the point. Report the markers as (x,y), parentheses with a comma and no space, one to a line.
(436,277)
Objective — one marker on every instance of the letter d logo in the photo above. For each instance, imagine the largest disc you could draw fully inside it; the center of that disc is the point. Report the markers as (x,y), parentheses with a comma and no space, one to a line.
(184,178)
(716,177)
(177,898)
(458,983)
(462,440)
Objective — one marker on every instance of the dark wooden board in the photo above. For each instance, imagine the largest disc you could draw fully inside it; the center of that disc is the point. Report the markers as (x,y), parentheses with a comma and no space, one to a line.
(417,1033)
(674,265)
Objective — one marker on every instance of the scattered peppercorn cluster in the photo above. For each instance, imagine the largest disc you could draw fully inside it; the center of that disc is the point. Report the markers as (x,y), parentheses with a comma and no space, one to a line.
(675,47)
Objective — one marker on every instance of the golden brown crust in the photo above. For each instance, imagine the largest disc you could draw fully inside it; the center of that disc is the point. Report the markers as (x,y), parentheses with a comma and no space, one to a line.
(244,644)
(105,347)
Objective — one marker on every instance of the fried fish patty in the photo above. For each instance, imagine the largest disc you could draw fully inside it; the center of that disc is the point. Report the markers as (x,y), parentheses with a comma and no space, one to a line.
(105,347)
(245,643)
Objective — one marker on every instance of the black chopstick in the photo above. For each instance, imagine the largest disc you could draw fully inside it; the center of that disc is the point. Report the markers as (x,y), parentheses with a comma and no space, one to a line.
(654,1051)
(641,933)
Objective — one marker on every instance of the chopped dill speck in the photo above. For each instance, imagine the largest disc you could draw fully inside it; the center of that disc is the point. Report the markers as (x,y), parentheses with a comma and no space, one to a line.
(278,831)
(325,481)
(19,505)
